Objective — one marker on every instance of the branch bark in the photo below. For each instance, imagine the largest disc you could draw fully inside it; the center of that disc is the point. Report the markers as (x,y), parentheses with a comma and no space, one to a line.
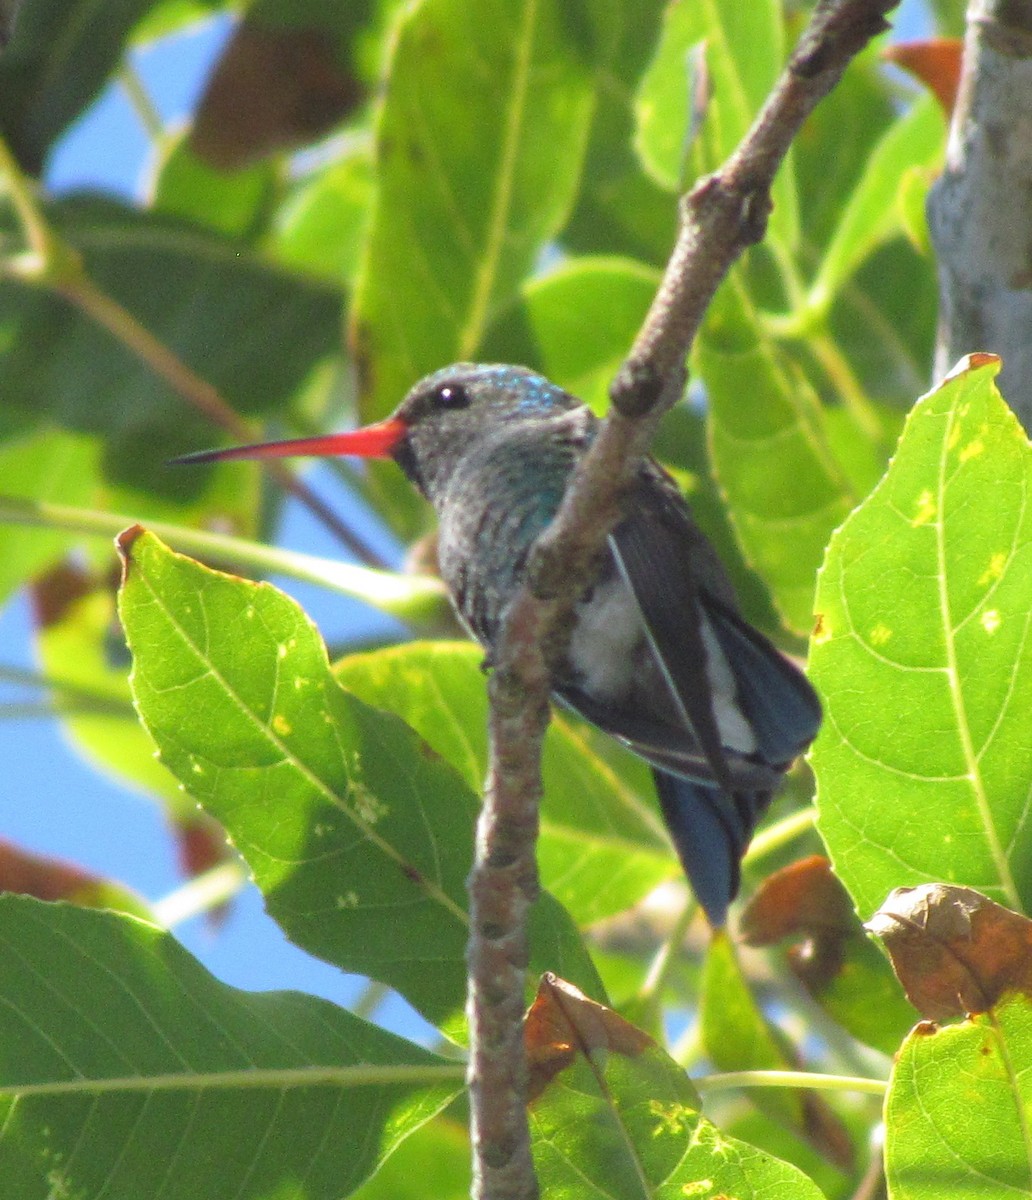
(720,217)
(978,211)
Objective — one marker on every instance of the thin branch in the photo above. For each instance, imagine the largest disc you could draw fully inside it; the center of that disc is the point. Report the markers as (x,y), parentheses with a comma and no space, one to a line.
(55,264)
(722,215)
(791,1079)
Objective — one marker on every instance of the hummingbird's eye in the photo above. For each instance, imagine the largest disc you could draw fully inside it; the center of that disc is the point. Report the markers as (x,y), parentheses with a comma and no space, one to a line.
(452,395)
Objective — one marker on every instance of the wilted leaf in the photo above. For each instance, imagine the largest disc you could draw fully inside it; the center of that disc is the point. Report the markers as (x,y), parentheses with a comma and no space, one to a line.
(956,1116)
(129,1071)
(838,964)
(47,878)
(923,659)
(954,951)
(935,62)
(359,838)
(274,88)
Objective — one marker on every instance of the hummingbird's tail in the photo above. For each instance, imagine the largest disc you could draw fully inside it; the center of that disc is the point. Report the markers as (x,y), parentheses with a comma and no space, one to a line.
(711,832)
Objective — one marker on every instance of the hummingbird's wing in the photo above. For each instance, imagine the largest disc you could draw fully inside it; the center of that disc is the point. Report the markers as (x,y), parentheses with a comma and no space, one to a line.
(743,701)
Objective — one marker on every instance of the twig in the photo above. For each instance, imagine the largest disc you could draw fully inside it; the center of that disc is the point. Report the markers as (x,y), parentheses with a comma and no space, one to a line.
(53,263)
(721,216)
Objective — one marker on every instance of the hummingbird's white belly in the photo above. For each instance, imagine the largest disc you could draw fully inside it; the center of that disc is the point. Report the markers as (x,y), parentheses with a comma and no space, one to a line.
(606,649)
(607,632)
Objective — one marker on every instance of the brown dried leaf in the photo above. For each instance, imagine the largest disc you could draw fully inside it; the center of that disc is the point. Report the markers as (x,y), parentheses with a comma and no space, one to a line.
(562,1023)
(273,89)
(955,951)
(936,63)
(45,878)
(803,900)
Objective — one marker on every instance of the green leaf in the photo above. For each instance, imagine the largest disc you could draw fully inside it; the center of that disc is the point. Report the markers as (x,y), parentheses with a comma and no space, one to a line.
(956,1115)
(358,836)
(742,45)
(576,324)
(129,1071)
(771,451)
(252,330)
(233,203)
(625,1121)
(51,466)
(479,152)
(620,210)
(922,657)
(57,61)
(872,213)
(81,649)
(738,1037)
(322,225)
(602,847)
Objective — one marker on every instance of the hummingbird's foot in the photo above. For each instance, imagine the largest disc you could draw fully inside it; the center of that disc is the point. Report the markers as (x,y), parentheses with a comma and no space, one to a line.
(487,663)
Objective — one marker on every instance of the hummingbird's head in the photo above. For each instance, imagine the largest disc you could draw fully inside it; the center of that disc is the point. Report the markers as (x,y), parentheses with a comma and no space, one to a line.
(442,417)
(453,412)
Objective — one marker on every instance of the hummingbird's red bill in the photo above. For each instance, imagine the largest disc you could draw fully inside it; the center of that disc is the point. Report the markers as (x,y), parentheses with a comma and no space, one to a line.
(372,441)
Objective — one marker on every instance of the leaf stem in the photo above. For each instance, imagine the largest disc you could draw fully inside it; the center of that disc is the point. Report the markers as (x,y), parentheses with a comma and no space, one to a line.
(793,1079)
(140,100)
(54,263)
(200,894)
(769,841)
(408,597)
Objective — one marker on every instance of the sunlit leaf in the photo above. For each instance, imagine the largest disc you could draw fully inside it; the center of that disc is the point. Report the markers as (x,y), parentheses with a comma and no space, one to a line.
(128,1070)
(359,836)
(922,657)
(956,1114)
(470,184)
(49,465)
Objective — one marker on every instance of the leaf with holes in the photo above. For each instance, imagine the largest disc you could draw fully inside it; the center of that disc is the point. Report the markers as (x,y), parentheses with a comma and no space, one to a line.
(924,660)
(358,835)
(129,1071)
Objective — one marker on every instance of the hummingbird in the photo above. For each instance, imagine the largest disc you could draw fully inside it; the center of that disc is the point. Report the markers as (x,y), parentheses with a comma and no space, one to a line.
(658,657)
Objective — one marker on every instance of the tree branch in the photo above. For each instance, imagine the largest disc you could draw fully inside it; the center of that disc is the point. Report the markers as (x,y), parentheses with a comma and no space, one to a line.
(978,211)
(721,216)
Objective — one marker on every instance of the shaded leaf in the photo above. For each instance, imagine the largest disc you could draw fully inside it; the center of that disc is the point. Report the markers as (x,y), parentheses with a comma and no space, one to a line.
(954,951)
(871,214)
(956,1116)
(772,454)
(433,1162)
(922,658)
(233,202)
(576,323)
(742,46)
(128,1070)
(738,1037)
(618,1117)
(602,846)
(252,330)
(358,836)
(57,61)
